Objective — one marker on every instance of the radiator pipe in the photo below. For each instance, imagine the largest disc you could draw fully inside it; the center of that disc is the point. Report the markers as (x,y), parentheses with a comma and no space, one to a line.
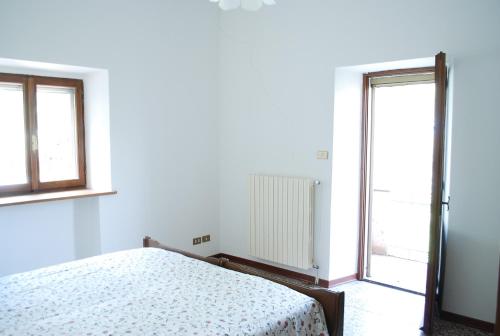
(316,278)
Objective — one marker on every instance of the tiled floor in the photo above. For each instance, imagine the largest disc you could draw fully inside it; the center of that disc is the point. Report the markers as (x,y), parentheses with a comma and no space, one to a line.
(399,272)
(374,310)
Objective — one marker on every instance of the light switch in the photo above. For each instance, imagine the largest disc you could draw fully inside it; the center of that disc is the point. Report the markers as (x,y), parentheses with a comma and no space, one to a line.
(322,155)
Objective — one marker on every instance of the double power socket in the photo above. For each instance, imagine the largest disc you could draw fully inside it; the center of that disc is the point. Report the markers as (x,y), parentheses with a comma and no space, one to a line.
(199,240)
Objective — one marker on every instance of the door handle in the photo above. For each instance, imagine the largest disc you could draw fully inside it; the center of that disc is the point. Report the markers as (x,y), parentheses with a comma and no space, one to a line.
(447,203)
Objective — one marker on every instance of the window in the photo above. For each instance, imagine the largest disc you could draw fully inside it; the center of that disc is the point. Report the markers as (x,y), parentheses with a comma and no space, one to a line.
(42,144)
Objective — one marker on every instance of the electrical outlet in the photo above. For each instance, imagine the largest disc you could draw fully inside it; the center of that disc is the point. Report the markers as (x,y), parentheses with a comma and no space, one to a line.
(205,239)
(197,241)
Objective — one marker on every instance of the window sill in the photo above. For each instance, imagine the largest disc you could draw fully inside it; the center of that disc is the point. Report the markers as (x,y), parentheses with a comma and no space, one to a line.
(52,196)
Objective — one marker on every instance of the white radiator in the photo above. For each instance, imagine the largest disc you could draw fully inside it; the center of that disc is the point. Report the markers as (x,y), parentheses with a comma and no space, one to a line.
(281,219)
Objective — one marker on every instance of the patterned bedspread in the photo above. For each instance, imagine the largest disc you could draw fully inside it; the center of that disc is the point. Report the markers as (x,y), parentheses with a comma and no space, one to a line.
(151,292)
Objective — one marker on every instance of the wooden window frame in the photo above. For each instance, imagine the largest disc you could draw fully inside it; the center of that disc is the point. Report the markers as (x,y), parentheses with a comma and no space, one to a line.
(31,135)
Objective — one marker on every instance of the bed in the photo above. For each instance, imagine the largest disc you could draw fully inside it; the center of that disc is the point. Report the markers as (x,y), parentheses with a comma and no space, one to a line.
(161,291)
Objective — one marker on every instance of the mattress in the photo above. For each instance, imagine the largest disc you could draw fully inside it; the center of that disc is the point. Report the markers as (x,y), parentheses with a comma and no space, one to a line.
(150,291)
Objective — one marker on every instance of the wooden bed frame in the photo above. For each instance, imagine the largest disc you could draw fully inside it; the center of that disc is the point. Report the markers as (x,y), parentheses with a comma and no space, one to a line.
(332,302)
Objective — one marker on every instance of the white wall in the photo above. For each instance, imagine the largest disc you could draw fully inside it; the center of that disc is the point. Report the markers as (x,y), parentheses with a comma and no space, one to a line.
(346,169)
(33,236)
(87,224)
(277,108)
(269,123)
(162,57)
(474,217)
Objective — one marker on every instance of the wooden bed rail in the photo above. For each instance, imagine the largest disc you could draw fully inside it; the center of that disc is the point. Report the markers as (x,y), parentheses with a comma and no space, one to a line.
(332,302)
(149,242)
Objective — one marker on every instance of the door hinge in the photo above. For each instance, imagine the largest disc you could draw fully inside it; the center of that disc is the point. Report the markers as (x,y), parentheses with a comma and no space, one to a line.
(447,203)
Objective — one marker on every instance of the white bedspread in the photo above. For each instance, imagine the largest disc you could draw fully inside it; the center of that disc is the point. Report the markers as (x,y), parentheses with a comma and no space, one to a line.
(151,292)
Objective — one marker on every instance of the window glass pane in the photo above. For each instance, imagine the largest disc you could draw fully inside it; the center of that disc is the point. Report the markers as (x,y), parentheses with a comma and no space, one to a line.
(57,136)
(13,165)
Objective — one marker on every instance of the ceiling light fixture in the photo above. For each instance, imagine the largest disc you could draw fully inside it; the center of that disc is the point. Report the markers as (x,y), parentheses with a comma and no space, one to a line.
(251,5)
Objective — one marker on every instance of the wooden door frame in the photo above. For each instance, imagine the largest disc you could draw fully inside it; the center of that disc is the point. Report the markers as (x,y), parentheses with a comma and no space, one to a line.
(366,154)
(436,201)
(363,201)
(441,79)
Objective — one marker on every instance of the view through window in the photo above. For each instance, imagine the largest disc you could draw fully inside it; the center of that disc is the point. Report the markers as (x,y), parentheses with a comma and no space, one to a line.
(41,134)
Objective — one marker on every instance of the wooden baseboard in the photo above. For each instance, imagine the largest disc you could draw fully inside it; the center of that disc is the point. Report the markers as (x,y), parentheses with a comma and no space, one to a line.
(343,280)
(284,272)
(467,321)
